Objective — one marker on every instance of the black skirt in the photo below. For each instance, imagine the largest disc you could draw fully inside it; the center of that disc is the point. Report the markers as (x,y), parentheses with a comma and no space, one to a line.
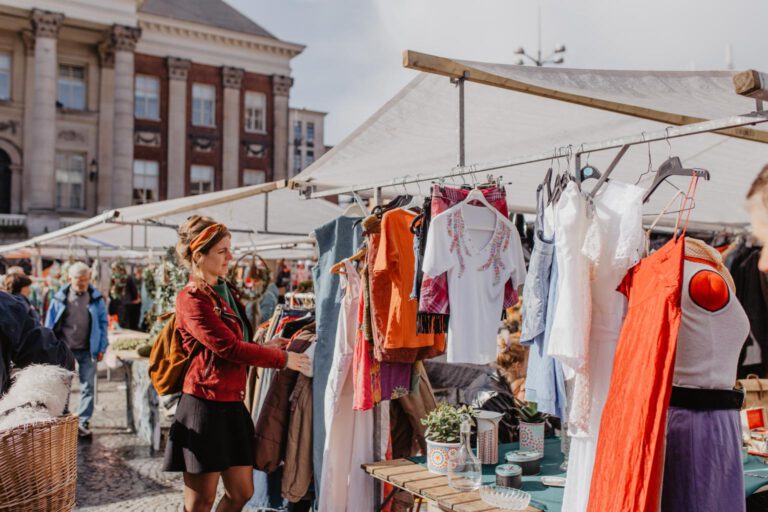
(208,436)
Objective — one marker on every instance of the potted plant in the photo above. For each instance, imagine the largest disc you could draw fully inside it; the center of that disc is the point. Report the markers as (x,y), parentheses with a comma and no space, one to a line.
(443,434)
(531,426)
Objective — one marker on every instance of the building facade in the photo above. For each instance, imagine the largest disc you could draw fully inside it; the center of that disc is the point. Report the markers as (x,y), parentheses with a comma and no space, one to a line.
(108,104)
(307,138)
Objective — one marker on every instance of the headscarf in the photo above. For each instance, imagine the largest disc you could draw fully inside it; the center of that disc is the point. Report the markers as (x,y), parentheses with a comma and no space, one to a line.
(208,237)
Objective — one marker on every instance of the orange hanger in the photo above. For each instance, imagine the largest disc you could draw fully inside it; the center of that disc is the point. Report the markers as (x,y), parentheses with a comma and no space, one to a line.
(359,255)
(338,268)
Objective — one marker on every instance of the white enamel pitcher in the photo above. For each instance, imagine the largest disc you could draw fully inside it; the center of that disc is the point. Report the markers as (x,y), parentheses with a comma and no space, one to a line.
(488,436)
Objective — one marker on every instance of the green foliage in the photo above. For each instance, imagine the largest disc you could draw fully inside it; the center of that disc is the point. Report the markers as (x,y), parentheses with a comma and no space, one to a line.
(170,277)
(119,279)
(528,412)
(148,279)
(127,344)
(444,422)
(144,350)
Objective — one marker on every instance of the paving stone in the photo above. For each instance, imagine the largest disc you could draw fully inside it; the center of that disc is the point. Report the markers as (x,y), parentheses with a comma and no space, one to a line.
(116,470)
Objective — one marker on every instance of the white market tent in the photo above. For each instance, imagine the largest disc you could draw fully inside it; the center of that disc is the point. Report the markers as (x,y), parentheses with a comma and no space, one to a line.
(513,113)
(268,216)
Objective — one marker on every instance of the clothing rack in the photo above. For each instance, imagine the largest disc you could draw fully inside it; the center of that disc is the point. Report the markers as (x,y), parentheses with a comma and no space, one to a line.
(300,300)
(458,77)
(567,152)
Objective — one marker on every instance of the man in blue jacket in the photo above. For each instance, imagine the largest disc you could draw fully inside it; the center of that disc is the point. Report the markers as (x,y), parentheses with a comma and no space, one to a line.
(78,316)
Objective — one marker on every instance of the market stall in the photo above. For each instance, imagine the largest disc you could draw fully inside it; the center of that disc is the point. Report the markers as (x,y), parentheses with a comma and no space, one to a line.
(623,144)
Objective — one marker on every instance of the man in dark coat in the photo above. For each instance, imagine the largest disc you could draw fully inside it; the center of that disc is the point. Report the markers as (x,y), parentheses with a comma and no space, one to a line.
(23,341)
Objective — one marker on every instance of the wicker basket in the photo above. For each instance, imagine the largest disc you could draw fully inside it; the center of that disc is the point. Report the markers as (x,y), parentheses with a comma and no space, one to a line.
(38,466)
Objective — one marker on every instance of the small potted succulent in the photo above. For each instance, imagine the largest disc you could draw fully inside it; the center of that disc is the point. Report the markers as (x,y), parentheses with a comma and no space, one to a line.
(443,434)
(531,426)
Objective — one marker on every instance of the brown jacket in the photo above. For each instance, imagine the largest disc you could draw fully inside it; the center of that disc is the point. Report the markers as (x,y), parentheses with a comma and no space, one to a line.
(297,472)
(272,425)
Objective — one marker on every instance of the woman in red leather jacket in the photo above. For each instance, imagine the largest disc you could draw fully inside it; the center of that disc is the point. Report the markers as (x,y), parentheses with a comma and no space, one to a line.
(212,432)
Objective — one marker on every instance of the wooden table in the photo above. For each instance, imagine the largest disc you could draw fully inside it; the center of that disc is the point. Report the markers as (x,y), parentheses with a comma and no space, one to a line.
(415,479)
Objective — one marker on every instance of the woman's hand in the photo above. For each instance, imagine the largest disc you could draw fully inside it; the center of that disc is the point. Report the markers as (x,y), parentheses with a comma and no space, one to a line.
(299,362)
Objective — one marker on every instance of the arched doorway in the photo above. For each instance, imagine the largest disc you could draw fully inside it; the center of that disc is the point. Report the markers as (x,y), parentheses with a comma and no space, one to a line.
(5,182)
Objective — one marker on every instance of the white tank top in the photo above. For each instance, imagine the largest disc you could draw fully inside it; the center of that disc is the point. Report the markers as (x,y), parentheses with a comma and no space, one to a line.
(709,342)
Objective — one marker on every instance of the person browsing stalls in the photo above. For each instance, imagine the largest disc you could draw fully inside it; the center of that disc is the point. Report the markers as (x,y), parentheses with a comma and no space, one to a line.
(212,435)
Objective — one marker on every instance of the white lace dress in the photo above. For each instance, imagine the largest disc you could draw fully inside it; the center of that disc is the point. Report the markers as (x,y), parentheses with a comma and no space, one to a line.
(569,340)
(612,244)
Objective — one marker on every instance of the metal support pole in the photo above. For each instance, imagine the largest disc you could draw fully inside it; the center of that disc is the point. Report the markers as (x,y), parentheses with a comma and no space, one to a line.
(377,196)
(462,157)
(377,455)
(609,170)
(266,211)
(462,128)
(577,168)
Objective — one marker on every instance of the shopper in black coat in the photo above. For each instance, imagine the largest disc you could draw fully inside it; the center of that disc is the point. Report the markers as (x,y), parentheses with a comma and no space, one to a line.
(23,341)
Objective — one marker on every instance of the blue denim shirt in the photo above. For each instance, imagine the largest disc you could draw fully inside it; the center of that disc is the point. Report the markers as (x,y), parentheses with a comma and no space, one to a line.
(544,382)
(336,240)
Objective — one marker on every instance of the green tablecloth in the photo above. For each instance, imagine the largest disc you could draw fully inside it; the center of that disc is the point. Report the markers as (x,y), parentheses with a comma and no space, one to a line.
(753,466)
(551,498)
(542,497)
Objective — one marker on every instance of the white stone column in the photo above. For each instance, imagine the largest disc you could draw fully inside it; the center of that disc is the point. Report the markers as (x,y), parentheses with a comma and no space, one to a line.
(106,127)
(40,133)
(281,88)
(124,42)
(232,79)
(28,138)
(178,69)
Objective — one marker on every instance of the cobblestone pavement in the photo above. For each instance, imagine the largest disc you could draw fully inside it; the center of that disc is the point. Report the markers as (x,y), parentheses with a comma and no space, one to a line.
(117,471)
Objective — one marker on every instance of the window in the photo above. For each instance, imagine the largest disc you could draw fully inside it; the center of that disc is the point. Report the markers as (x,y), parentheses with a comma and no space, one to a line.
(297,133)
(147,97)
(146,181)
(72,87)
(201,179)
(310,134)
(296,160)
(310,157)
(203,105)
(70,181)
(251,177)
(5,76)
(255,112)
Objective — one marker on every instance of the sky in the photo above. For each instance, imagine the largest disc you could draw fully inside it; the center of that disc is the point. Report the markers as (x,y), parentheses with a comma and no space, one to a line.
(352,63)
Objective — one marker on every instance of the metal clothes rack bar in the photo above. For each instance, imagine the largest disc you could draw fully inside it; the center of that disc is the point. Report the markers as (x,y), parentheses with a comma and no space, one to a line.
(563,152)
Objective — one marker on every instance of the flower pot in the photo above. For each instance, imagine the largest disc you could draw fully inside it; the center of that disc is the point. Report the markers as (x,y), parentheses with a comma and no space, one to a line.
(532,437)
(438,454)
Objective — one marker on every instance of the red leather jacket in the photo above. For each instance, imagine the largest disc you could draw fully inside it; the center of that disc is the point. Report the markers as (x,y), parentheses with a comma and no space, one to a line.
(218,370)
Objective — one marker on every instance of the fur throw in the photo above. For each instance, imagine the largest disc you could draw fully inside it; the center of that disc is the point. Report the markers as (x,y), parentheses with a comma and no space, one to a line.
(39,392)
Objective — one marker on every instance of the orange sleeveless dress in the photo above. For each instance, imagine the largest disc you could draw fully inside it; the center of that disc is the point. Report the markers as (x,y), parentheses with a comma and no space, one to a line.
(630,450)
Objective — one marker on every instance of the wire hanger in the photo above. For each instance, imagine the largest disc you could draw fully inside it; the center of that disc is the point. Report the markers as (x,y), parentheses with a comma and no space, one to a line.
(649,170)
(413,202)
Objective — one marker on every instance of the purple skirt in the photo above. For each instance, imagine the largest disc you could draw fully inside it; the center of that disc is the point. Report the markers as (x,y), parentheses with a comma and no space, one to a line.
(703,471)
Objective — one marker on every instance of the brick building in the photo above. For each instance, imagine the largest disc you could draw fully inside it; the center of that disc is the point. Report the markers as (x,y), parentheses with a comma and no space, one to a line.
(109,103)
(307,138)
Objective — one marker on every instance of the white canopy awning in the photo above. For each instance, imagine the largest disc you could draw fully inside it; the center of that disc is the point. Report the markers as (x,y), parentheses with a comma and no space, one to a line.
(511,111)
(259,215)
